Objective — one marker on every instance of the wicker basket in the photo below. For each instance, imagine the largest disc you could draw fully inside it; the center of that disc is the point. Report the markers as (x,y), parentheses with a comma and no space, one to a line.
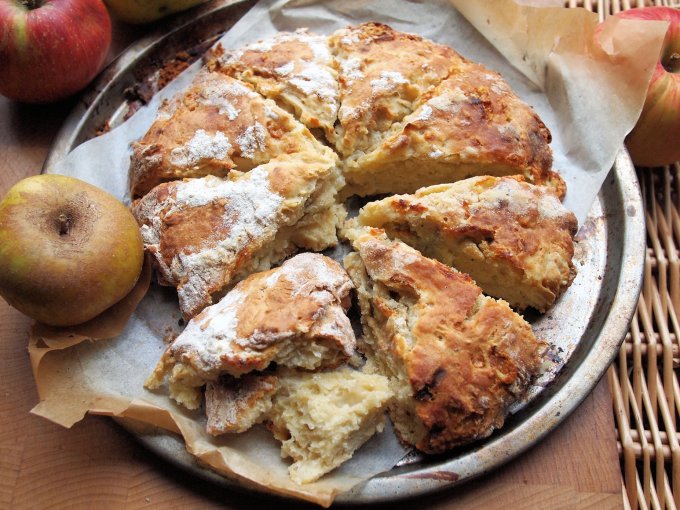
(643,381)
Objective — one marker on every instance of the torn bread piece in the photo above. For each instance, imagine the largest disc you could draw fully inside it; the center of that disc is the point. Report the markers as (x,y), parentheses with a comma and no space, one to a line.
(322,418)
(293,316)
(471,124)
(383,73)
(206,234)
(235,404)
(293,69)
(217,125)
(513,238)
(456,359)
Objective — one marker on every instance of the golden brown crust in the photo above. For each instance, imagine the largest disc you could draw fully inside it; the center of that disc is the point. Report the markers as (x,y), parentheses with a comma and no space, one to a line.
(463,357)
(293,69)
(403,112)
(515,239)
(490,119)
(382,74)
(472,123)
(207,233)
(218,125)
(292,315)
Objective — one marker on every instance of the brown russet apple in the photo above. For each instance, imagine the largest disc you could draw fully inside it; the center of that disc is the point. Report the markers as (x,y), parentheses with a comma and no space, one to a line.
(51,49)
(68,250)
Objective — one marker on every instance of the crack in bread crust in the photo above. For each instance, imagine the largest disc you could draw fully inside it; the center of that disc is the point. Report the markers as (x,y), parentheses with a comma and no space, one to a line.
(269,140)
(402,111)
(383,74)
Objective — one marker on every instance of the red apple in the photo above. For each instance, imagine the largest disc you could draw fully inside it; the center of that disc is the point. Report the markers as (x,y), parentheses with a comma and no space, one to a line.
(655,140)
(51,49)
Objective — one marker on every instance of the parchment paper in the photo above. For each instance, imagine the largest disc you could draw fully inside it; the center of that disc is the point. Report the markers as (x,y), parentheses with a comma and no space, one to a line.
(588,96)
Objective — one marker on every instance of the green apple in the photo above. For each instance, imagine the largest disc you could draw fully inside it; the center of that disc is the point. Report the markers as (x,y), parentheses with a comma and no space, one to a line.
(68,250)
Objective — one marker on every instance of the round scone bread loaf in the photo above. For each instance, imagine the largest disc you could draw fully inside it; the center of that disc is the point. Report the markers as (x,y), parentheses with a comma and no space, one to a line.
(254,162)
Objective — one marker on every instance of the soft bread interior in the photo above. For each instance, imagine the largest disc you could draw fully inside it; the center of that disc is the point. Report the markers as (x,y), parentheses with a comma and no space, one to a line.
(380,329)
(322,418)
(373,173)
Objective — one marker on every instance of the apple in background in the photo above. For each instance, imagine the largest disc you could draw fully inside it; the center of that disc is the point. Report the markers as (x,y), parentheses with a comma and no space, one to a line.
(51,49)
(68,250)
(655,140)
(146,11)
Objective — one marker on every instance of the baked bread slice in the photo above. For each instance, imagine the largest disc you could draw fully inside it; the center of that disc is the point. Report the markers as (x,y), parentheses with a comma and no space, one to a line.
(293,316)
(471,124)
(205,234)
(322,418)
(456,359)
(513,238)
(383,74)
(233,405)
(217,125)
(293,69)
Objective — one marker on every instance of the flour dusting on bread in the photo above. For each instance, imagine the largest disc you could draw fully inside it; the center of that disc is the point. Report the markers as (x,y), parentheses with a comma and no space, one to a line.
(251,164)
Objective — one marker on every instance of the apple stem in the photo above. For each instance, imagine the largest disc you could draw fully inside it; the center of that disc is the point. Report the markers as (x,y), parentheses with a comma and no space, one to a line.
(64,224)
(31,4)
(672,64)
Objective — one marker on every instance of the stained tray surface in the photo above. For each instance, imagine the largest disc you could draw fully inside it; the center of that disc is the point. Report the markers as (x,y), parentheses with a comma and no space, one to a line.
(585,328)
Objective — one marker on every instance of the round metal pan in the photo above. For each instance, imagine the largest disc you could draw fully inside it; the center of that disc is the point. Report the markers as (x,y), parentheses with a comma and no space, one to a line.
(599,306)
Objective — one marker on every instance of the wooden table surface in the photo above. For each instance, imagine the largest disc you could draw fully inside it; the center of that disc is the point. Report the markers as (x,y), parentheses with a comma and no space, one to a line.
(96,464)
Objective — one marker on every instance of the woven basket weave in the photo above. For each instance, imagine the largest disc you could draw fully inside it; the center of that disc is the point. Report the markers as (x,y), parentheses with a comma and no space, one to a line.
(643,380)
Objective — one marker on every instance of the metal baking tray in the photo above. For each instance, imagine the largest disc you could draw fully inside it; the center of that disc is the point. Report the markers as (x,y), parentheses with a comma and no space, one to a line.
(592,317)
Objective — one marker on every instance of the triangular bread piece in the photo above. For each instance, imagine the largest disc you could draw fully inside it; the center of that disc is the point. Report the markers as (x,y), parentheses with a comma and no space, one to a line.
(471,124)
(293,69)
(513,238)
(293,316)
(217,125)
(206,234)
(456,360)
